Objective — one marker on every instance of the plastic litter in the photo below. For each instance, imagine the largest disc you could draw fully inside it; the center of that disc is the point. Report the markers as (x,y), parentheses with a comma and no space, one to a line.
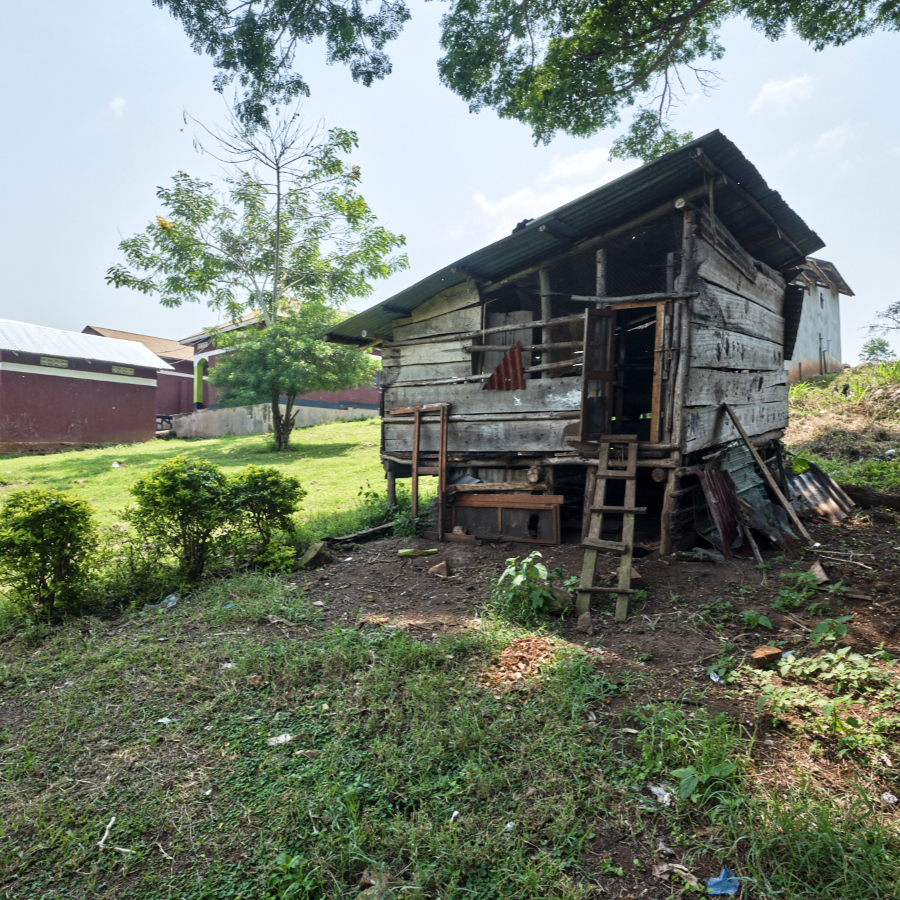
(455,816)
(726,883)
(416,552)
(169,602)
(663,871)
(663,795)
(890,798)
(280,739)
(228,606)
(714,676)
(510,826)
(165,721)
(227,665)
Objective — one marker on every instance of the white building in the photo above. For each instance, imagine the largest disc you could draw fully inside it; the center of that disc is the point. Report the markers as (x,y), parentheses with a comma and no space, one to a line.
(817,346)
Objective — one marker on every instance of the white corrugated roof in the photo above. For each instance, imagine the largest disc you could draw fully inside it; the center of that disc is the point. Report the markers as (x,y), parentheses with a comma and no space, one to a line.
(24,338)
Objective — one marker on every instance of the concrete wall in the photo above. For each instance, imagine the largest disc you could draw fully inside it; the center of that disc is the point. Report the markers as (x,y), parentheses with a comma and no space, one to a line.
(257,419)
(818,347)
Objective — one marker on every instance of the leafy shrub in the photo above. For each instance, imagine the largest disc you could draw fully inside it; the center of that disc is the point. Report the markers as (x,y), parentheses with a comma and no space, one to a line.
(47,540)
(264,501)
(524,589)
(183,505)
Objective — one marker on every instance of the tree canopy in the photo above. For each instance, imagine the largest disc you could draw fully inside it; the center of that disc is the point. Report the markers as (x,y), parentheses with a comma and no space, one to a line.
(289,221)
(289,359)
(555,65)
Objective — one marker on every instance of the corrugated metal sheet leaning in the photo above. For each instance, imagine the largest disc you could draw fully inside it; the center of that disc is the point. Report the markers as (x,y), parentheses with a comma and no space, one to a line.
(22,337)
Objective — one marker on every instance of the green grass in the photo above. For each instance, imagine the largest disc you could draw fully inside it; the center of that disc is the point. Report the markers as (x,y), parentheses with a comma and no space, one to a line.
(401,761)
(333,461)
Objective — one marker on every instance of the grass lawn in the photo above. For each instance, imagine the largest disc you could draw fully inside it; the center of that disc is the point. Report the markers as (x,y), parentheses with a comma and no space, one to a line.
(333,461)
(249,751)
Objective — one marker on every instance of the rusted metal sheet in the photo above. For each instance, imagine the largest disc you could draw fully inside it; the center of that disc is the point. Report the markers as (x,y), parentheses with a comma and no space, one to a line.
(814,493)
(753,504)
(509,374)
(722,505)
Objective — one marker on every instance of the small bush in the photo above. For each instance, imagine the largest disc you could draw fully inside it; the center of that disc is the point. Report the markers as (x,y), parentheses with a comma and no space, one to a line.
(47,539)
(265,500)
(183,505)
(523,593)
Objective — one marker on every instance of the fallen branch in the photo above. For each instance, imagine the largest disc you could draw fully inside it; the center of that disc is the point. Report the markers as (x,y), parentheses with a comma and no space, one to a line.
(867,497)
(112,822)
(369,532)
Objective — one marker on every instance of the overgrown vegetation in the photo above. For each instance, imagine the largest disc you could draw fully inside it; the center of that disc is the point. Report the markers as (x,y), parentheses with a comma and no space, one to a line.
(849,424)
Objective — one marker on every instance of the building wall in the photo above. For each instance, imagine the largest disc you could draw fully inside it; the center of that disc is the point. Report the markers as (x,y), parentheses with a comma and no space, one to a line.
(85,401)
(175,390)
(818,347)
(257,419)
(368,395)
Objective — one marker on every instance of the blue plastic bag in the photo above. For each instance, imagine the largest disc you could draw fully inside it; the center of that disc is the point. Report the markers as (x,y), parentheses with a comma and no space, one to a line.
(726,883)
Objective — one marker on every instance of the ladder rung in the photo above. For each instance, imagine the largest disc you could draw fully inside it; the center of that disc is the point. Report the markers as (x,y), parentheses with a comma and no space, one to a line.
(616,473)
(597,544)
(429,470)
(619,509)
(604,590)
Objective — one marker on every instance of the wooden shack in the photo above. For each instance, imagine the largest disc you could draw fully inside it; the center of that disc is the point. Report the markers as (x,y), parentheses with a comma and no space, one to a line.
(603,337)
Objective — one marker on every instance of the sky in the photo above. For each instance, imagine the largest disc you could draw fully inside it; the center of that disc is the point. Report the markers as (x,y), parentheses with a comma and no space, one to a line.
(94,103)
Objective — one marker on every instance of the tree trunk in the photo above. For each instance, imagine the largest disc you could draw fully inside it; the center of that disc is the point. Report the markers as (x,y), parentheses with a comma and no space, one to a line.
(278,424)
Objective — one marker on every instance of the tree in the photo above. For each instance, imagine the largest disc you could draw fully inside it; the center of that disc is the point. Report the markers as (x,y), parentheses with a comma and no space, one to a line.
(289,221)
(877,350)
(288,359)
(556,65)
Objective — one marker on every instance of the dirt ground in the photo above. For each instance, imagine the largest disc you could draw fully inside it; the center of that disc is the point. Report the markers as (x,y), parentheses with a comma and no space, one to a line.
(673,635)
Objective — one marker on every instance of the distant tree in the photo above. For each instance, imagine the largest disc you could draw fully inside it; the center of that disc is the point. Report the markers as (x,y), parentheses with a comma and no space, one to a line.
(288,359)
(288,222)
(556,65)
(877,350)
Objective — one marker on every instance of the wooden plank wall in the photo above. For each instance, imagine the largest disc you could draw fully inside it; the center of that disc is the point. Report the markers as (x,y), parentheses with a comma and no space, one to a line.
(533,419)
(736,349)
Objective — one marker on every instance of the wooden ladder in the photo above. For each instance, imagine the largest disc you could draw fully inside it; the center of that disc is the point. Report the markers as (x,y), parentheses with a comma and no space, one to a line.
(595,501)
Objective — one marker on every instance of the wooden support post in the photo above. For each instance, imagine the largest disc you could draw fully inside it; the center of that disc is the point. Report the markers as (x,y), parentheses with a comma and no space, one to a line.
(546,313)
(670,504)
(767,475)
(391,487)
(414,488)
(601,272)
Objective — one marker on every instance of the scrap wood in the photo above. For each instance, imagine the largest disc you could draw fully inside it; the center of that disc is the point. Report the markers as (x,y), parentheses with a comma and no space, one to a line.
(520,660)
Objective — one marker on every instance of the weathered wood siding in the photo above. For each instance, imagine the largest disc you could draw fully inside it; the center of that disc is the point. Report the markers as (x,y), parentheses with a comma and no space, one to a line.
(736,345)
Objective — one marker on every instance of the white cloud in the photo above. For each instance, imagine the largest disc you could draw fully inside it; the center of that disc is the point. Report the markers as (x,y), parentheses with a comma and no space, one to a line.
(118,106)
(777,96)
(835,140)
(565,179)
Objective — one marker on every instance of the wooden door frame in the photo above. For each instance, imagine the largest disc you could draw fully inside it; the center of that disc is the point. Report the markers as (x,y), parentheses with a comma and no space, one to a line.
(658,350)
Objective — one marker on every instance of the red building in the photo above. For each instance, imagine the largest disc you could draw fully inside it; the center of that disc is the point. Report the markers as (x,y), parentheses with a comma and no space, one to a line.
(205,354)
(174,387)
(62,386)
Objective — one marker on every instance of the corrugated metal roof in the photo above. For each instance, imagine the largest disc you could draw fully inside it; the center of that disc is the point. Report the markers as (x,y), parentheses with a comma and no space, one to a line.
(21,337)
(164,347)
(613,204)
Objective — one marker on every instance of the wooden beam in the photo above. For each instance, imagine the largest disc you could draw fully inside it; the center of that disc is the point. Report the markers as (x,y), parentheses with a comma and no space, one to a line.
(630,298)
(592,243)
(708,165)
(495,330)
(561,345)
(459,270)
(770,479)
